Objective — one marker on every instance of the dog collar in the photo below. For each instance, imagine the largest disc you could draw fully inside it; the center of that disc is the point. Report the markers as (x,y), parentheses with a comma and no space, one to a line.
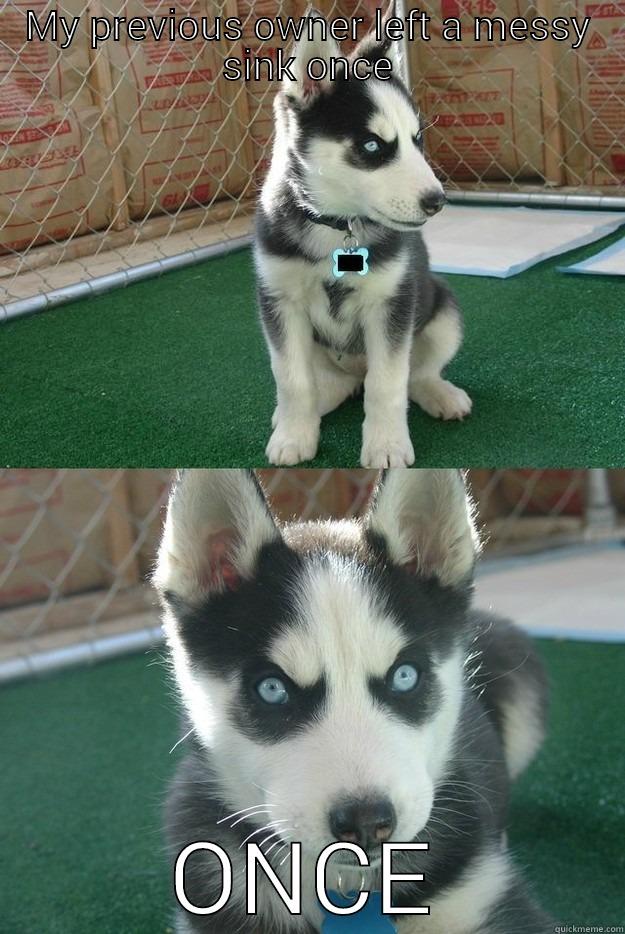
(327,220)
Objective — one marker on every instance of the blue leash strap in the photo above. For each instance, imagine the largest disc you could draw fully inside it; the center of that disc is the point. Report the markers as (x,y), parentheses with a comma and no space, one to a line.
(369,920)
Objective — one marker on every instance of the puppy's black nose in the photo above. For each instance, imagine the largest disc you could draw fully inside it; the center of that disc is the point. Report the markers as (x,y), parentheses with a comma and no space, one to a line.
(365,822)
(432,202)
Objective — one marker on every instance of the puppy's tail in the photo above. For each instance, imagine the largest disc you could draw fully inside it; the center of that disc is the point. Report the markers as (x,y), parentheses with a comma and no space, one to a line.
(512,685)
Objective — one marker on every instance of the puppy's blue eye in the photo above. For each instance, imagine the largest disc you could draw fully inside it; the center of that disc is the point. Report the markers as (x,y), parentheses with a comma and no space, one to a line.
(272,691)
(404,678)
(371,145)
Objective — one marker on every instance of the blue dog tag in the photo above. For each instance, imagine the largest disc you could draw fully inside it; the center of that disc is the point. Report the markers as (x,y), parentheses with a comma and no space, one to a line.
(352,259)
(369,920)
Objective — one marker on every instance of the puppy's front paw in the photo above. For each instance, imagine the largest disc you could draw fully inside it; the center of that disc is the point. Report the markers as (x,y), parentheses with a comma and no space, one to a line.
(292,442)
(440,398)
(384,447)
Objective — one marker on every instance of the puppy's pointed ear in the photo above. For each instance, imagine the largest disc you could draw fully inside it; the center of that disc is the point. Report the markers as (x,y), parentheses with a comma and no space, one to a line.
(373,49)
(426,520)
(217,522)
(305,88)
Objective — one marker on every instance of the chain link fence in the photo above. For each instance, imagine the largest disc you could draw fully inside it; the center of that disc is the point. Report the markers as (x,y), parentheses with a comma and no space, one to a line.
(138,155)
(77,546)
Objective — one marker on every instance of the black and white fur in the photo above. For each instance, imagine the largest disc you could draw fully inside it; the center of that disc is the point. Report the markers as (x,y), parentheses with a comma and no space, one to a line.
(331,609)
(395,328)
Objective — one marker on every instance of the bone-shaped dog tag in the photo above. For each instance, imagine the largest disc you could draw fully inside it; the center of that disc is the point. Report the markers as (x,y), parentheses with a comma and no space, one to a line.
(369,920)
(354,259)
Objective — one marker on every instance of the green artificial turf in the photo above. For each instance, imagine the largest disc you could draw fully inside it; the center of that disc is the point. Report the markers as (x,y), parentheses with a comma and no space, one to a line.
(85,759)
(174,371)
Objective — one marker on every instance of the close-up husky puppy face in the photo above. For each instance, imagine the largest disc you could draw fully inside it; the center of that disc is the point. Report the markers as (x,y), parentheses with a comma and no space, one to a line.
(355,146)
(321,663)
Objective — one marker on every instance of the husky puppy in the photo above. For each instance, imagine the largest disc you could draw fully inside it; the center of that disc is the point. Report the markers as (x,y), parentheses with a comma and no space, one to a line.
(339,686)
(348,155)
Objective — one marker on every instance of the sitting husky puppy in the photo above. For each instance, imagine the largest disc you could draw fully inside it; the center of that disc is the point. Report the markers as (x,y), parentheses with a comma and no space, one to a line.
(340,688)
(348,160)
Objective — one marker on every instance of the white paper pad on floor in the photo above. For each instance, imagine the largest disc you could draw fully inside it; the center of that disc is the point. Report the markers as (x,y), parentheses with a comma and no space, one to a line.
(609,262)
(503,241)
(574,593)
